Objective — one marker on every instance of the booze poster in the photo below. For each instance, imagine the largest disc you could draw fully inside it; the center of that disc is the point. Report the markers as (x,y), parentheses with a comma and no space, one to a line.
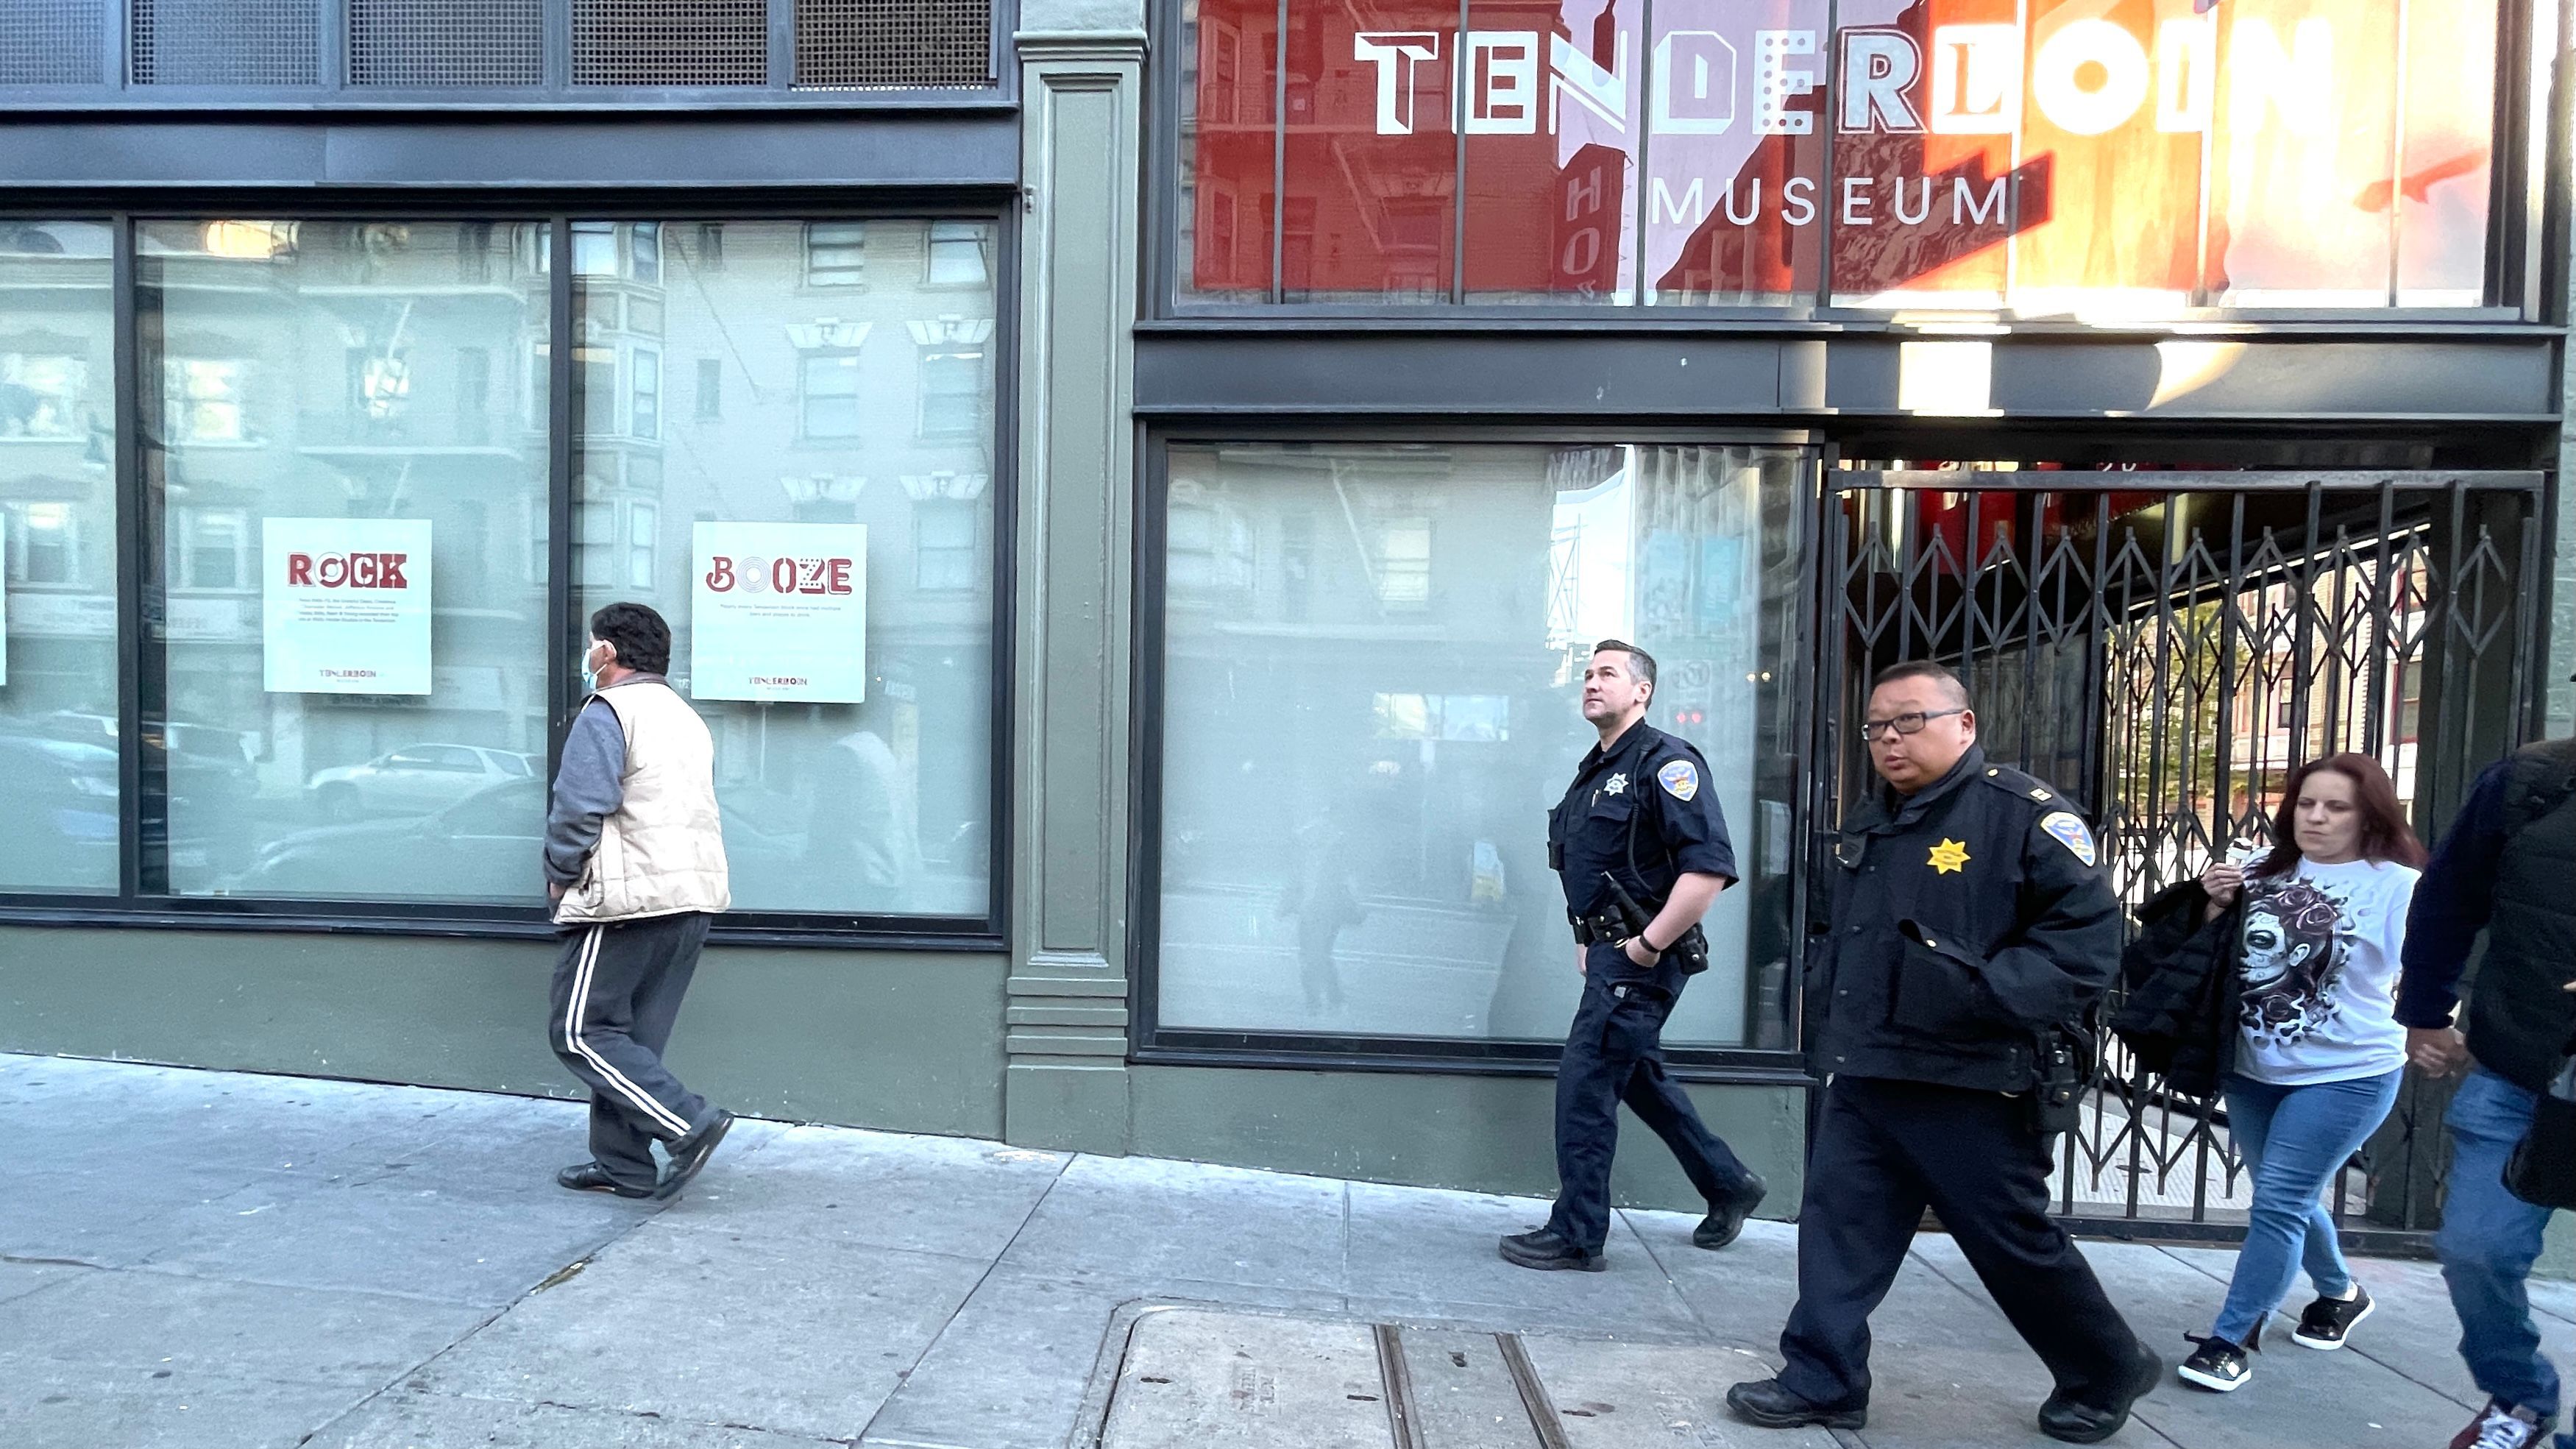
(345,605)
(780,611)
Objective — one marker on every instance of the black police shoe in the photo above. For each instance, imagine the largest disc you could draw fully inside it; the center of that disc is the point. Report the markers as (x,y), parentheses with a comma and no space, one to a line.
(2064,1419)
(690,1153)
(1548,1252)
(1771,1404)
(1725,1221)
(592,1177)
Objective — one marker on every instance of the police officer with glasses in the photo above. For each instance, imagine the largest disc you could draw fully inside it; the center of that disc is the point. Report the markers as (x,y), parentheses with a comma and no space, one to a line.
(1970,933)
(1641,847)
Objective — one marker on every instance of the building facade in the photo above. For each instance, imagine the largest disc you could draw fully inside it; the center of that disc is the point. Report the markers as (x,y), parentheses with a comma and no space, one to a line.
(1134,482)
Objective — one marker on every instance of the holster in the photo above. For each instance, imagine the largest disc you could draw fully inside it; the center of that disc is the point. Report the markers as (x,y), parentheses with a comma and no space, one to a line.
(2058,1103)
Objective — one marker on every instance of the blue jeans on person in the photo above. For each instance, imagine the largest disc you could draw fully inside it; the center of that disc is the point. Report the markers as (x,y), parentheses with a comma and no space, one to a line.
(2294,1140)
(2488,1242)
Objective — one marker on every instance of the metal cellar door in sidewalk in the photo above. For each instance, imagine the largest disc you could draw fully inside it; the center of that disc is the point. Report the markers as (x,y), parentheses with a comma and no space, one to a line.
(2164,647)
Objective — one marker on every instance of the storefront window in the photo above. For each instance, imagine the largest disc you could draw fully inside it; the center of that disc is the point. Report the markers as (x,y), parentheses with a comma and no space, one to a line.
(2102,161)
(59,779)
(1372,669)
(831,486)
(352,703)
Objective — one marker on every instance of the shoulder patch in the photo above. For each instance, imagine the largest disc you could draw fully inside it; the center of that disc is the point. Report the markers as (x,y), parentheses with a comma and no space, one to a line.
(1680,778)
(2068,830)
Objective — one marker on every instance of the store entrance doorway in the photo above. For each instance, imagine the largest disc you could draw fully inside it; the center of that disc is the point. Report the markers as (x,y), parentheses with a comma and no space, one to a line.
(2164,647)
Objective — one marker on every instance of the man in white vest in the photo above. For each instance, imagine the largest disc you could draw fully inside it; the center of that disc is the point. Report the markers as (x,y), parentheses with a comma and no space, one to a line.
(635,864)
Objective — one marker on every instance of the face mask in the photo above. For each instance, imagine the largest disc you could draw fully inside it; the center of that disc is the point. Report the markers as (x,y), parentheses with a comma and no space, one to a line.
(589,670)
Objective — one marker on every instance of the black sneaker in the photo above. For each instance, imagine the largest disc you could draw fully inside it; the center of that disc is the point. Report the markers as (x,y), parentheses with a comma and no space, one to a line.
(1548,1252)
(2217,1365)
(690,1153)
(593,1177)
(2324,1323)
(1725,1221)
(1771,1404)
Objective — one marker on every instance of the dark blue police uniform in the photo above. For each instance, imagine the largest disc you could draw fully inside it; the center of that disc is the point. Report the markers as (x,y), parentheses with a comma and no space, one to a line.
(1971,930)
(1642,810)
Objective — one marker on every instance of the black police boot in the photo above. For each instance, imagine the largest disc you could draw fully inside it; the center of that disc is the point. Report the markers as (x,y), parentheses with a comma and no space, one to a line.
(1771,1404)
(1725,1220)
(1546,1251)
(592,1177)
(690,1153)
(2065,1419)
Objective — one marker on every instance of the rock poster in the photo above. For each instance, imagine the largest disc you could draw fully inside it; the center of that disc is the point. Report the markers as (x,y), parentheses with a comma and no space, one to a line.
(780,611)
(345,605)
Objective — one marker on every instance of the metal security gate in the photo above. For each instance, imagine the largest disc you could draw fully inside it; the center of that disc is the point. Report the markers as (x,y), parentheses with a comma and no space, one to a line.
(2164,647)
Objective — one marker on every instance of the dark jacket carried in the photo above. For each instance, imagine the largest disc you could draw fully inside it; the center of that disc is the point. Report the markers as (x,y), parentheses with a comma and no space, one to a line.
(1969,927)
(2183,986)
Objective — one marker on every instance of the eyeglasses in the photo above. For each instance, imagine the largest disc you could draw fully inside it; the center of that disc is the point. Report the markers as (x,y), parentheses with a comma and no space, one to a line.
(1910,723)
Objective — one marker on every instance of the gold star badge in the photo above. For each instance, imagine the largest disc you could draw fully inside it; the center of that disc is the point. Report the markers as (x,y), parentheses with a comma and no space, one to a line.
(1949,857)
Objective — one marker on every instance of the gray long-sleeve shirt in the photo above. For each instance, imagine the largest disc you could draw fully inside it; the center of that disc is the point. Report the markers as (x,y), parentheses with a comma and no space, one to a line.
(589,786)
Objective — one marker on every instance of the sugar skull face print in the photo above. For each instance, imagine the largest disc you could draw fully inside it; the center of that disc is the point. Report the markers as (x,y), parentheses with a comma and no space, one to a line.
(2295,945)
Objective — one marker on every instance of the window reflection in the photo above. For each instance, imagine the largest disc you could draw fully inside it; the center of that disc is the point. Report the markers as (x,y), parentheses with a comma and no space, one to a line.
(59,780)
(1373,662)
(353,375)
(868,404)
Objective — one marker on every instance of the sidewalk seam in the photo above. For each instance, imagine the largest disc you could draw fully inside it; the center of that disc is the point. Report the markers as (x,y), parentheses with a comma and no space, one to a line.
(903,1379)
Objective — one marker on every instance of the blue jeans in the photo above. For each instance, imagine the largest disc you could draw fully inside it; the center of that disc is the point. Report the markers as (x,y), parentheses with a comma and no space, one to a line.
(2295,1139)
(2487,1244)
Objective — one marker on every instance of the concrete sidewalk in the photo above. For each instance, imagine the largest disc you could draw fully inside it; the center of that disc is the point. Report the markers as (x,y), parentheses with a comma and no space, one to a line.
(196,1258)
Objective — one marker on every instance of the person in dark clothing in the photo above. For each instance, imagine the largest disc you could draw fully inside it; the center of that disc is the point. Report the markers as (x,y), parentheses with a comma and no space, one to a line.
(1970,932)
(1643,812)
(2505,868)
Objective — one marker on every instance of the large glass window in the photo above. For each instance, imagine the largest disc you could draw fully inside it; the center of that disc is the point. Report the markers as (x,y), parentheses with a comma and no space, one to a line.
(354,663)
(855,774)
(2101,159)
(1372,666)
(59,780)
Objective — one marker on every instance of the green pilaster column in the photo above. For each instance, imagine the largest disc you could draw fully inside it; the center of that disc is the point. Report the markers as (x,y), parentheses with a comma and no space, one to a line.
(1082,99)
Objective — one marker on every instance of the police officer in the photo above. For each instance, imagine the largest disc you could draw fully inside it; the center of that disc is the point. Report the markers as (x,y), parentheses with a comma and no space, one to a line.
(1971,930)
(1640,821)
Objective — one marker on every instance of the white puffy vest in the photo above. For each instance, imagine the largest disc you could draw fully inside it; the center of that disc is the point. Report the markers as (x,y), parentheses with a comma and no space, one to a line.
(662,851)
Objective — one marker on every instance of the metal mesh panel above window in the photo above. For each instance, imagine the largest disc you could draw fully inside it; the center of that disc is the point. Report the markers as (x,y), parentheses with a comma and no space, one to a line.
(51,42)
(670,42)
(227,42)
(857,44)
(447,42)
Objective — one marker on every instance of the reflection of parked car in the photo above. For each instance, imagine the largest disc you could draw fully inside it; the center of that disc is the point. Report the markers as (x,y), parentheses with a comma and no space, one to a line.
(415,780)
(484,847)
(59,799)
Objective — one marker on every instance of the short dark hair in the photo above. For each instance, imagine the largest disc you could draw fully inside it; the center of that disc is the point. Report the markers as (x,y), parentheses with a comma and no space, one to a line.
(1643,665)
(643,641)
(1922,669)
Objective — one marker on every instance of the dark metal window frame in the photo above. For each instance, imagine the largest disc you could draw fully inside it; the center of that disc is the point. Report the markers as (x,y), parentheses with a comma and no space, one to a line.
(2526,239)
(142,897)
(120,93)
(1154,1043)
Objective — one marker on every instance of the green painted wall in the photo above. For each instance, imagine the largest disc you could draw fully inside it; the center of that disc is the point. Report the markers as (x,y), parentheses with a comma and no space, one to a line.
(873,1039)
(1491,1134)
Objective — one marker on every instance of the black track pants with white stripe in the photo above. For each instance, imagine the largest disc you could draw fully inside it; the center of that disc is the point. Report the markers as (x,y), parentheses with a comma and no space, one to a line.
(617,991)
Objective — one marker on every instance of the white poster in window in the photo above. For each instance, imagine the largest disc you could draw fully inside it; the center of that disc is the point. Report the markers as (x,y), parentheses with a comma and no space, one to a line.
(345,605)
(779,611)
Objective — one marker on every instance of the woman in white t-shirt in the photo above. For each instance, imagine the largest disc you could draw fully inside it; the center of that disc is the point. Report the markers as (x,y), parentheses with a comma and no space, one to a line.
(2320,1051)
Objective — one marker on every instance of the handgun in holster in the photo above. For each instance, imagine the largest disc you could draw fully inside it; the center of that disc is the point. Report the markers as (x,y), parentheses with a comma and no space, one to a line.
(1689,950)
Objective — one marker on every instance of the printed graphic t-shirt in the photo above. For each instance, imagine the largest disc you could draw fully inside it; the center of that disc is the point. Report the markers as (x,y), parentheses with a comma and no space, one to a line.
(2321,952)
